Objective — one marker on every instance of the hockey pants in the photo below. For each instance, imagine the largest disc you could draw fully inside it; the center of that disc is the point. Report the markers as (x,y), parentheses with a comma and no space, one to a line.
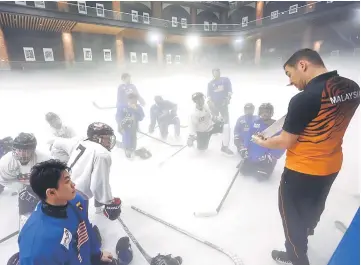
(204,137)
(163,126)
(261,170)
(301,201)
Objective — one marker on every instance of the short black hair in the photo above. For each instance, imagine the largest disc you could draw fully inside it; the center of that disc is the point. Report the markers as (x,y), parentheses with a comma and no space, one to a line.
(308,54)
(124,76)
(46,175)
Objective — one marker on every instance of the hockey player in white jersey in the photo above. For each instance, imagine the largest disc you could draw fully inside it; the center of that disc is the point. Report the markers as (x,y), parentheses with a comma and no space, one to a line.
(15,169)
(203,125)
(90,163)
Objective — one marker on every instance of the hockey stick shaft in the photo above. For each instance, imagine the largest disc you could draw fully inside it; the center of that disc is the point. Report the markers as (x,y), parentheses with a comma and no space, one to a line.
(9,236)
(179,150)
(234,258)
(103,108)
(229,187)
(159,140)
(136,243)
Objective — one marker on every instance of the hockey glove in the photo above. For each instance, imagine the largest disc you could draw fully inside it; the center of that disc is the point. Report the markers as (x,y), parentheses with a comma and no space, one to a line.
(112,210)
(127,122)
(166,260)
(27,201)
(243,152)
(124,251)
(190,140)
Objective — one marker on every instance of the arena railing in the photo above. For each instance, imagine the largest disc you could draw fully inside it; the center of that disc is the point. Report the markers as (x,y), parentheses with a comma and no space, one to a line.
(184,26)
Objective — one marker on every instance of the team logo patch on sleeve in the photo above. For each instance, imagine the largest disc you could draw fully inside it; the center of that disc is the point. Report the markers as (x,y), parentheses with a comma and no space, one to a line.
(65,241)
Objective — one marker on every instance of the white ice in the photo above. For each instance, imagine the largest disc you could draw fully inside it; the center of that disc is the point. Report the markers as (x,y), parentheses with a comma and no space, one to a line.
(249,224)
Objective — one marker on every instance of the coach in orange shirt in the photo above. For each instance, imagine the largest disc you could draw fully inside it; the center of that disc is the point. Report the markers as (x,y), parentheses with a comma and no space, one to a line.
(316,122)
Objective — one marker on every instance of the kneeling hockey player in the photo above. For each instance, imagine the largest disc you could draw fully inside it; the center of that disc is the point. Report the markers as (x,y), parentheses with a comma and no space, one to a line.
(203,125)
(259,161)
(130,115)
(165,113)
(243,125)
(15,168)
(90,163)
(59,231)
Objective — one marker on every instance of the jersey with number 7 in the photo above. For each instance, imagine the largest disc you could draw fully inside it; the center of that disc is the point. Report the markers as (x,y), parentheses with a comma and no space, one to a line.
(90,167)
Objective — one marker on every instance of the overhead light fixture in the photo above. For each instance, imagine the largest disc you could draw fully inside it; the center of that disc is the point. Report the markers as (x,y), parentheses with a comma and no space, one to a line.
(192,42)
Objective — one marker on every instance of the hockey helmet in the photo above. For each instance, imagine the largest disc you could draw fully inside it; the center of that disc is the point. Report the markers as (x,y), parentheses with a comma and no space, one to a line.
(101,133)
(6,145)
(24,146)
(265,111)
(53,119)
(249,109)
(197,96)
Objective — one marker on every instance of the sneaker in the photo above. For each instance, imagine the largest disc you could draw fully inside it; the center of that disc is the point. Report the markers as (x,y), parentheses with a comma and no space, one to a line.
(281,257)
(226,150)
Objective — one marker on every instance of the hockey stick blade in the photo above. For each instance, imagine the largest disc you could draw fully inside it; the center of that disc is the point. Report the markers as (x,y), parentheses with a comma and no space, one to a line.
(102,108)
(236,260)
(341,226)
(216,211)
(9,236)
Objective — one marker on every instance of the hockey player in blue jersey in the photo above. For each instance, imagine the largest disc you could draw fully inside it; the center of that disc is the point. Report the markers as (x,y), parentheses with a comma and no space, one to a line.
(129,116)
(59,232)
(242,128)
(165,113)
(259,161)
(219,95)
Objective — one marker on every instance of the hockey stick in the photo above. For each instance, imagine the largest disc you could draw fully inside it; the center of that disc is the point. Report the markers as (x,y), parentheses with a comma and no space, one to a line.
(159,140)
(268,132)
(341,226)
(9,236)
(102,108)
(236,260)
(215,212)
(162,163)
(158,260)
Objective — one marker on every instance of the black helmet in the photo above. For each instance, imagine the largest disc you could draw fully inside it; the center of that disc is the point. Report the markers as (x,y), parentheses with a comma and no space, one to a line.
(266,108)
(101,133)
(196,96)
(24,146)
(249,106)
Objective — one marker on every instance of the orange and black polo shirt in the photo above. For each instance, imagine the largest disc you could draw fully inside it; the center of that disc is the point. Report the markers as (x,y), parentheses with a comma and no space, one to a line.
(320,116)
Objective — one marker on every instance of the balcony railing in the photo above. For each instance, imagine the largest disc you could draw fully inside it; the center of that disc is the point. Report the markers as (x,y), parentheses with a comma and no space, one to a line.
(145,20)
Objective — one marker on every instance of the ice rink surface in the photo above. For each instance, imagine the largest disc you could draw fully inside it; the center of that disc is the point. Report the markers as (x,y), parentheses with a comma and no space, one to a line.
(249,223)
